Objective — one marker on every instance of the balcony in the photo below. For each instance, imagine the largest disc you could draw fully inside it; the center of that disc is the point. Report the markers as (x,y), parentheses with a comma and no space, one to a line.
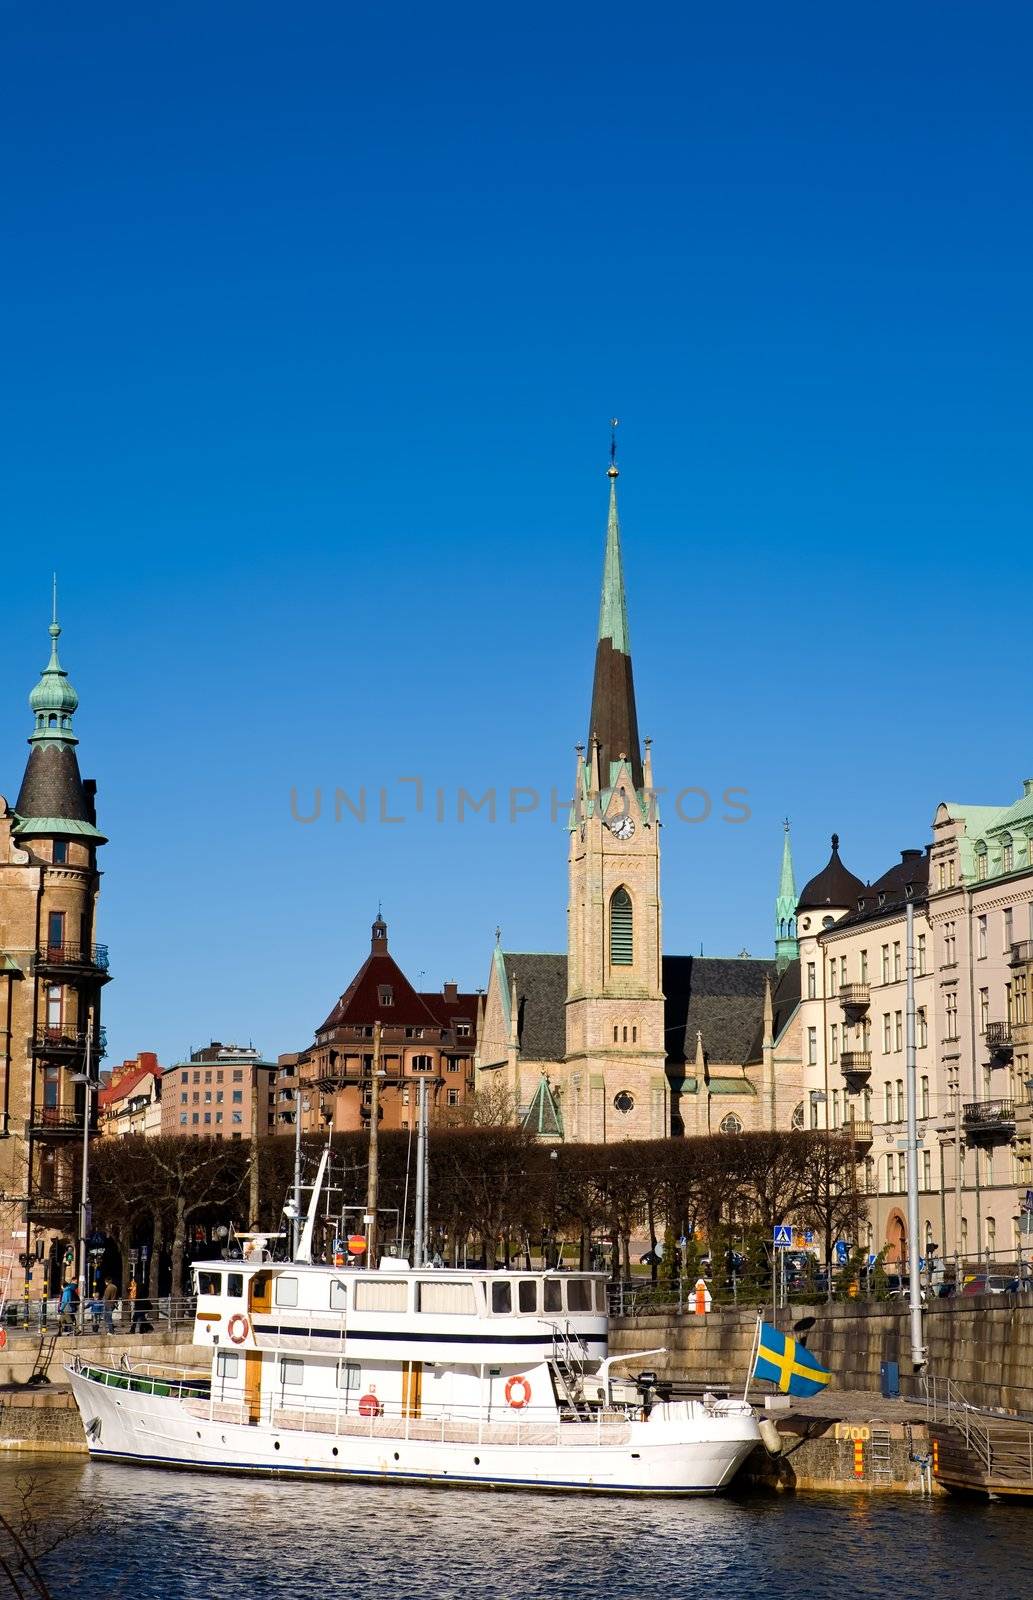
(856,1064)
(1021,954)
(989,1121)
(53,1209)
(59,1122)
(855,998)
(59,1044)
(998,1040)
(73,958)
(862,1133)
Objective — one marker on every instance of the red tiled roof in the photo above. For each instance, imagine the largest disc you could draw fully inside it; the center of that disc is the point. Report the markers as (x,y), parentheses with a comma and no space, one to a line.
(125,1085)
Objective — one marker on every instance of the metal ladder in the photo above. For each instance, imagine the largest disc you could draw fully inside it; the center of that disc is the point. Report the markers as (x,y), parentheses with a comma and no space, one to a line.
(880,1457)
(569,1356)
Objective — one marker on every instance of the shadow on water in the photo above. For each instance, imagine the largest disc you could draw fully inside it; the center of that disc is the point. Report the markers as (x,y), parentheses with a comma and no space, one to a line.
(209,1538)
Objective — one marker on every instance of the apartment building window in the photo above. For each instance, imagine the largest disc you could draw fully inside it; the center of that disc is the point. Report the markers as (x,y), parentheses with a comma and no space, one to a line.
(237,1116)
(941,876)
(900,1099)
(422,1063)
(812,981)
(885,963)
(196,1117)
(869,1175)
(834,1042)
(1020,999)
(887,1099)
(984,1010)
(922,1027)
(453,1097)
(902,1172)
(842,969)
(981,862)
(197,1077)
(981,938)
(890,1172)
(896,960)
(927,1169)
(950,873)
(920,956)
(386,994)
(238,1097)
(886,1024)
(197,1097)
(866,1101)
(950,954)
(207,1116)
(923,1097)
(462,1030)
(835,1108)
(864,966)
(1008,919)
(54,1007)
(208,1097)
(832,975)
(1007,854)
(898,1030)
(812,1047)
(951,1006)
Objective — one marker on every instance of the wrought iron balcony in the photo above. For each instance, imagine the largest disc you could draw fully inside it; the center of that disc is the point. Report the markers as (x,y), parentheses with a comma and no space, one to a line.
(1021,953)
(989,1120)
(998,1040)
(62,1044)
(82,957)
(856,1063)
(59,1122)
(855,997)
(860,1132)
(55,1207)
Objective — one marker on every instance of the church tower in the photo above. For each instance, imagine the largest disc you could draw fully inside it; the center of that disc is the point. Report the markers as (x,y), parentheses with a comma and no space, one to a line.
(787,948)
(616,1083)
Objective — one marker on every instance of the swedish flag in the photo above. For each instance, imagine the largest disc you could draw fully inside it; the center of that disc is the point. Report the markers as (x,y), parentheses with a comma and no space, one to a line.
(787,1363)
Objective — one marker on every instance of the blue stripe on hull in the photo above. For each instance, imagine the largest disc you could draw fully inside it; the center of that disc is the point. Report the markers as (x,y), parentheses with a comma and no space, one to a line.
(525,1340)
(433,1480)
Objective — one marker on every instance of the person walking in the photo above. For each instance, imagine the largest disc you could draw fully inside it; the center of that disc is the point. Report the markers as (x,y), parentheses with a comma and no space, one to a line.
(68,1309)
(108,1300)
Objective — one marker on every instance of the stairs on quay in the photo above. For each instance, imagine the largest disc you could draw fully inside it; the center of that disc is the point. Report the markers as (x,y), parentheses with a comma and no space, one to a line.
(979,1452)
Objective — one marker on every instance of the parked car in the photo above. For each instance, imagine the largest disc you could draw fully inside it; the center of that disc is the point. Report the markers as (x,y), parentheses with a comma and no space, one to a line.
(990,1283)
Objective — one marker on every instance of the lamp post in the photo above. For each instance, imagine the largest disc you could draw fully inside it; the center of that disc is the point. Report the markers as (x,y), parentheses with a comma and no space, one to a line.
(918,1351)
(86,1079)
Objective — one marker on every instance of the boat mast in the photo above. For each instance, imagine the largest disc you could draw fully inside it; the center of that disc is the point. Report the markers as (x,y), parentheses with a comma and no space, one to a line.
(421,1177)
(373,1180)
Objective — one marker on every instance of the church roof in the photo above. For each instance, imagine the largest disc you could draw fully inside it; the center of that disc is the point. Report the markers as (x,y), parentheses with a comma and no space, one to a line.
(834,885)
(614,720)
(541,985)
(543,1114)
(785,997)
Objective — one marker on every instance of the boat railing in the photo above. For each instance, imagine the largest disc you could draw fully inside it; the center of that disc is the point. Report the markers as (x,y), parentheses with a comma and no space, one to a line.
(189,1385)
(458,1425)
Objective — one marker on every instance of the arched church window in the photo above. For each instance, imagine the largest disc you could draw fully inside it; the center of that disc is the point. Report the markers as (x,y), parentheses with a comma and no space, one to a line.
(622,947)
(798,1117)
(731,1123)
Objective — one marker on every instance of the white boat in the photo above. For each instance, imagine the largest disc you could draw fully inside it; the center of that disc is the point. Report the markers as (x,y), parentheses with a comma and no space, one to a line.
(500,1379)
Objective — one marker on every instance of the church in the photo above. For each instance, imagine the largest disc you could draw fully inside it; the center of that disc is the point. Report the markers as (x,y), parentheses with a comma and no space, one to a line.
(615,1039)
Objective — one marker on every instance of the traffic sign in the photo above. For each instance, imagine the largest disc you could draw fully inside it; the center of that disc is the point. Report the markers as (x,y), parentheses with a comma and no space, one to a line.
(1027,1204)
(782,1236)
(842,1251)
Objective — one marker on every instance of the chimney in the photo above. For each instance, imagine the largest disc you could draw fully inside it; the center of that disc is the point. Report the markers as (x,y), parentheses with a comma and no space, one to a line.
(451,993)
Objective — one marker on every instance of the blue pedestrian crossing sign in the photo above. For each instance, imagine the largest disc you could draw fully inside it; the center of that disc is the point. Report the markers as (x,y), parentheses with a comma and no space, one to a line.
(842,1251)
(782,1236)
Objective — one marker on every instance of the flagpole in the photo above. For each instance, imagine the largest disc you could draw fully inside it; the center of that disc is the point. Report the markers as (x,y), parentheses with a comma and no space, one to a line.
(753,1357)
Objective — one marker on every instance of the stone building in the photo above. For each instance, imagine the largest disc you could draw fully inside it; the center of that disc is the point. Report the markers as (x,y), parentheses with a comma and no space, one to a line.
(430,1037)
(615,1039)
(224,1091)
(52,972)
(130,1100)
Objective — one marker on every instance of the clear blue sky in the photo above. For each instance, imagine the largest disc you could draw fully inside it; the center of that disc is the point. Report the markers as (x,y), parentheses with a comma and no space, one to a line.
(314,318)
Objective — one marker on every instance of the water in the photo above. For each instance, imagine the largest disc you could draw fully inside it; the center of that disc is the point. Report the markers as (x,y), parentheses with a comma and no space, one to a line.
(183,1536)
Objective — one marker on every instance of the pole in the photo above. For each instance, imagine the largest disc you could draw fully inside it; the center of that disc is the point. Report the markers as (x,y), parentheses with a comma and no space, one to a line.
(296,1224)
(84,1194)
(373,1181)
(256,1075)
(421,1140)
(914,1280)
(425,1112)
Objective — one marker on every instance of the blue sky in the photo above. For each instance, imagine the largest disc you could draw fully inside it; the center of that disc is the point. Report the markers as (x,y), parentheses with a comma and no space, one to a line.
(314,319)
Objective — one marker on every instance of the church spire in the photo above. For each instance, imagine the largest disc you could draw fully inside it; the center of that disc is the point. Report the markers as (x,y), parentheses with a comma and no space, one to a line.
(786,946)
(613,720)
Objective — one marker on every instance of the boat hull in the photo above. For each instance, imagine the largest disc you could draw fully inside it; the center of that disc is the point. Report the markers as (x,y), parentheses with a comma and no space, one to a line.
(694,1455)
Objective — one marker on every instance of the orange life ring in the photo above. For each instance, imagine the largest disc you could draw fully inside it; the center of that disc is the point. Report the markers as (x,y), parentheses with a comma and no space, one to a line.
(3,1338)
(237,1328)
(518,1403)
(369,1406)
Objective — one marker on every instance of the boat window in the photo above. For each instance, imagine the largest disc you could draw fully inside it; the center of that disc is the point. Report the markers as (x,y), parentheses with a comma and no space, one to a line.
(502,1299)
(209,1283)
(234,1285)
(286,1291)
(371,1294)
(348,1375)
(450,1299)
(527,1295)
(579,1294)
(599,1290)
(228,1364)
(338,1295)
(292,1370)
(553,1295)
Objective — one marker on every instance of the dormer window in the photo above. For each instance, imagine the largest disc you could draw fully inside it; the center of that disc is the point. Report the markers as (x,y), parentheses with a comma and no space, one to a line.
(1007,854)
(386,995)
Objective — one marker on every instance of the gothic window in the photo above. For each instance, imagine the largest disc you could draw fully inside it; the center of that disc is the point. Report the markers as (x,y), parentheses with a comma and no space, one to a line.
(731,1123)
(798,1117)
(624,1102)
(621,932)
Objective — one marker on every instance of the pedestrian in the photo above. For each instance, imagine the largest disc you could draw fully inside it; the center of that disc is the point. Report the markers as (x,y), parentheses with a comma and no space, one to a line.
(136,1319)
(68,1309)
(108,1300)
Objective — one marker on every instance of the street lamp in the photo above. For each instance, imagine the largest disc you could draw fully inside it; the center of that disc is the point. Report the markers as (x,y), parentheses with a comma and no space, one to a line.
(89,1086)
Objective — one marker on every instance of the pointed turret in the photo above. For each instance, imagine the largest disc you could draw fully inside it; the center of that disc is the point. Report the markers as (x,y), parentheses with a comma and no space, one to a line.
(53,797)
(786,947)
(613,720)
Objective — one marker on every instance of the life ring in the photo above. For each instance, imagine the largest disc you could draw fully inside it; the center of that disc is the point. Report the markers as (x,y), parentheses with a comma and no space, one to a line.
(3,1338)
(369,1406)
(518,1402)
(237,1328)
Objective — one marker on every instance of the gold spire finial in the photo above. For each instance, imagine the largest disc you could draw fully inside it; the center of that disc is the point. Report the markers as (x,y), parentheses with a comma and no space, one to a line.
(612,471)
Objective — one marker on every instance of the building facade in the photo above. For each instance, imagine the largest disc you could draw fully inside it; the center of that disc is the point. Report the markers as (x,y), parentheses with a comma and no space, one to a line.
(52,974)
(130,1100)
(224,1091)
(422,1037)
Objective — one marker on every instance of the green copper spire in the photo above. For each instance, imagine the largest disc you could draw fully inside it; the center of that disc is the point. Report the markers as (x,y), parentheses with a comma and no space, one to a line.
(613,721)
(786,947)
(53,701)
(613,607)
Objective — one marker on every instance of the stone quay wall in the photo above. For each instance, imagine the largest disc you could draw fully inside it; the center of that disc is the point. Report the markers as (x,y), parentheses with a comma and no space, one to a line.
(984,1343)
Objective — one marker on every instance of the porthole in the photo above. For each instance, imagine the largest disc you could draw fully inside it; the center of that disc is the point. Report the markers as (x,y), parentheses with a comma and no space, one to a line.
(276,1444)
(476,1461)
(396,1455)
(334,1451)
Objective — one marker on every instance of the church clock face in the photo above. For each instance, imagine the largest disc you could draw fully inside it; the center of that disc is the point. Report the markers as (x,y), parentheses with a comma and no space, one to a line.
(621,827)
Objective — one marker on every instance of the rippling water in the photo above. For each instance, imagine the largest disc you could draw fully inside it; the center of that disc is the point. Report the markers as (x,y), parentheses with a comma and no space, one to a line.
(192,1535)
